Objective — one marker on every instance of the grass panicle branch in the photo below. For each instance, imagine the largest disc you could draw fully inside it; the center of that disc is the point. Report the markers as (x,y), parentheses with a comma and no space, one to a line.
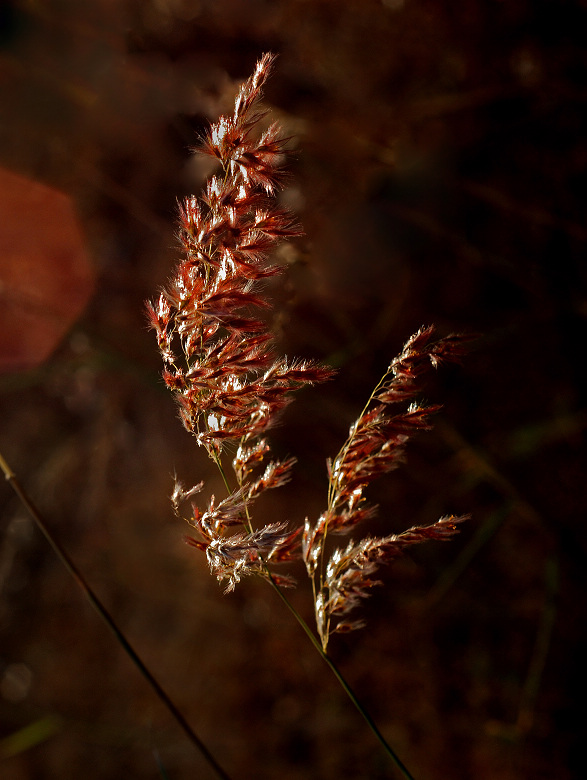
(220,363)
(375,446)
(219,357)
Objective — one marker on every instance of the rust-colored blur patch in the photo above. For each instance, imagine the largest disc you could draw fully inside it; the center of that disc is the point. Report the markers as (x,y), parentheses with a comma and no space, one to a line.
(46,278)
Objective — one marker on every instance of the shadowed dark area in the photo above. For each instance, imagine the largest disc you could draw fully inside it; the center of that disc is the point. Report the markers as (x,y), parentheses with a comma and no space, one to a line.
(439,169)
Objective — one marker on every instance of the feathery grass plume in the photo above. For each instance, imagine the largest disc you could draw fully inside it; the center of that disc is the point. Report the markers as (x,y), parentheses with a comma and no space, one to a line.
(220,363)
(375,446)
(218,354)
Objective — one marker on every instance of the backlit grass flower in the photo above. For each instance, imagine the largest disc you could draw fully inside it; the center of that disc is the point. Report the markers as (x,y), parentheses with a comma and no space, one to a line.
(230,385)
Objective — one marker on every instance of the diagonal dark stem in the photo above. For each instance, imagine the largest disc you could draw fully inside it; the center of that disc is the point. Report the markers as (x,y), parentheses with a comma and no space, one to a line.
(14,483)
(344,684)
(318,646)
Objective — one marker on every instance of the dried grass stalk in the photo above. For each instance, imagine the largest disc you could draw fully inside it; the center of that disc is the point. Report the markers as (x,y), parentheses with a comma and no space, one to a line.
(230,386)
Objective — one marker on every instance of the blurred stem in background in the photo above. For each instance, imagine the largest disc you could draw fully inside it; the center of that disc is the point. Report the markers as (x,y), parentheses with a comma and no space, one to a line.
(161,694)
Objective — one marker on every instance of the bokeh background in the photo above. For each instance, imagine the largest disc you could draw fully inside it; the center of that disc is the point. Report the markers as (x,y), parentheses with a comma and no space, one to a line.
(439,169)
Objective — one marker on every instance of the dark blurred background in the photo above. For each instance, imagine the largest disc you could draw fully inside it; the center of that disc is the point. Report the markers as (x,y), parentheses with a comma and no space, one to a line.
(439,170)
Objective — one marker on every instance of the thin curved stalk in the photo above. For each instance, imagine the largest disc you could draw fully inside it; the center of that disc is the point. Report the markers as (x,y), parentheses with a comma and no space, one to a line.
(63,556)
(317,645)
(344,684)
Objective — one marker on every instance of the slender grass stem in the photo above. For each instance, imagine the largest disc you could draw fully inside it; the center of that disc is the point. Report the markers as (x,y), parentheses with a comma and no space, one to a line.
(318,647)
(345,685)
(63,556)
(223,473)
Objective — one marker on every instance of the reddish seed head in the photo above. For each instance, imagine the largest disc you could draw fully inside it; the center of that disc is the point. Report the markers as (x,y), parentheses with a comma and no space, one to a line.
(220,364)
